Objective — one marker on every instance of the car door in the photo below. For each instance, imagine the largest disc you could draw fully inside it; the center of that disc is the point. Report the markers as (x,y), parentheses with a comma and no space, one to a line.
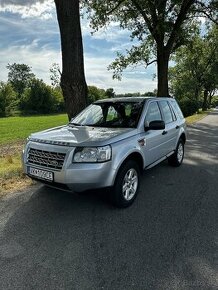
(153,149)
(170,131)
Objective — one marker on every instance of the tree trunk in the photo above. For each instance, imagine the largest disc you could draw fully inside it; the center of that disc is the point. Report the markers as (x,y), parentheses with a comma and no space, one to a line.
(196,96)
(73,81)
(204,105)
(162,72)
(210,99)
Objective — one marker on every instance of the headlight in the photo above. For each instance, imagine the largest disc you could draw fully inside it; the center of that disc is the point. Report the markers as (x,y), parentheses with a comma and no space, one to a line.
(92,154)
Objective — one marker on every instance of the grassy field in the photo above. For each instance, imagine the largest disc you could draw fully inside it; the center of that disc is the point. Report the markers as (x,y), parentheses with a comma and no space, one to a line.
(14,131)
(18,128)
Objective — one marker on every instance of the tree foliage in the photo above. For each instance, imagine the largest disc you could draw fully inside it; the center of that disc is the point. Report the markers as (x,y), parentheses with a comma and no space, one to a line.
(20,76)
(110,93)
(55,75)
(7,98)
(150,94)
(160,27)
(40,98)
(196,69)
(95,94)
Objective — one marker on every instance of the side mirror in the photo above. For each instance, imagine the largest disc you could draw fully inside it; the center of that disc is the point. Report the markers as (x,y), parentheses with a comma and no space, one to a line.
(155,125)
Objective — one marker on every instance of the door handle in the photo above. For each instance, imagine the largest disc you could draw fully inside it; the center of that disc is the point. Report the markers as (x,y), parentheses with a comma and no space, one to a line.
(164,132)
(177,127)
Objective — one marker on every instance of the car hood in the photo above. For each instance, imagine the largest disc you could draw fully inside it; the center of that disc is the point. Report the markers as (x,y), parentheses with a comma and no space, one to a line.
(82,135)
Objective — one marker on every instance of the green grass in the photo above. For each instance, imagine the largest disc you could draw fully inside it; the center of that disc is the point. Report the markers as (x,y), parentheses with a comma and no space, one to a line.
(18,128)
(14,130)
(197,117)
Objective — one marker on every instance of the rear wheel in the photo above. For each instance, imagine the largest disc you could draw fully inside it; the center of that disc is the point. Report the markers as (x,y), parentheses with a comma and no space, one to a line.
(126,185)
(177,158)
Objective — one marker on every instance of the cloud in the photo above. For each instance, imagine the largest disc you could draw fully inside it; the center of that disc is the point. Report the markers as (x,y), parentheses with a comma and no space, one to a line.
(39,58)
(26,38)
(14,30)
(111,33)
(132,81)
(20,2)
(26,8)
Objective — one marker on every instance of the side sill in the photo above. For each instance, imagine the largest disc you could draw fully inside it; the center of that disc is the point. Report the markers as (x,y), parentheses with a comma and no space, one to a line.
(159,160)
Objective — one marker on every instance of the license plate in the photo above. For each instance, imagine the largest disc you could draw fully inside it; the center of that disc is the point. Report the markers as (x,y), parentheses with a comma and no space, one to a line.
(42,174)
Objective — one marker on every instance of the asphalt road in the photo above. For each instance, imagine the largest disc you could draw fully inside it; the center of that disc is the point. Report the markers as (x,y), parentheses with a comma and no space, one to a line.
(167,240)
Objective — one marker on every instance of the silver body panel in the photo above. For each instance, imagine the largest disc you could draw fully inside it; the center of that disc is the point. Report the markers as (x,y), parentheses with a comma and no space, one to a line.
(152,146)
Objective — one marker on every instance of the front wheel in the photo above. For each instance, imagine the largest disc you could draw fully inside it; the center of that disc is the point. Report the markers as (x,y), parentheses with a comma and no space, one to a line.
(126,185)
(177,158)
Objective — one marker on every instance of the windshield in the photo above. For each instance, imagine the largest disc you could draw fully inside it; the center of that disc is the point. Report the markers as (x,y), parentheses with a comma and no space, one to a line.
(110,115)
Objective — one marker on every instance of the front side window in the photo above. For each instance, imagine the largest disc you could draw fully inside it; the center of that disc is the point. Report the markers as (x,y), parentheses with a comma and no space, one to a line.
(110,114)
(153,113)
(167,114)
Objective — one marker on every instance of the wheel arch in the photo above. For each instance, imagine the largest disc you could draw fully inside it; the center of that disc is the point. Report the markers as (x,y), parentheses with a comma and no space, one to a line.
(183,137)
(136,156)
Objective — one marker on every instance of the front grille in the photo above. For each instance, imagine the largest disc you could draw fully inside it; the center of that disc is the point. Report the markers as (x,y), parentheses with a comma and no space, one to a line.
(47,159)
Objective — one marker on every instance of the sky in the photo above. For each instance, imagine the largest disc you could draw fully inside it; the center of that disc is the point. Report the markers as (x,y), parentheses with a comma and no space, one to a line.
(29,34)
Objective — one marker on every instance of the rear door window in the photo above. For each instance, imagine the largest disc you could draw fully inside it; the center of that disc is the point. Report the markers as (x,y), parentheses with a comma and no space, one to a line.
(167,113)
(177,109)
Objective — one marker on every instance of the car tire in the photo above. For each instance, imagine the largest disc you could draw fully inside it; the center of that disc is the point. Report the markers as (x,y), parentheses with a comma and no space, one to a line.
(127,184)
(177,158)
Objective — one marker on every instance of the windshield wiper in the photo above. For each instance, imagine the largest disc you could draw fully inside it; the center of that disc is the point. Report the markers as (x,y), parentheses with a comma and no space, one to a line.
(75,124)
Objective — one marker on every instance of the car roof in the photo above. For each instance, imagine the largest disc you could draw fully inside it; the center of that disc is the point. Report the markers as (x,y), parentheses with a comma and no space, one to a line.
(130,99)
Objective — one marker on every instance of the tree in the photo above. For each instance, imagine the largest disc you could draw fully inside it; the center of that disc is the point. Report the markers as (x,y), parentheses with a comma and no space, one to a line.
(160,27)
(210,76)
(150,94)
(129,95)
(38,98)
(73,81)
(59,100)
(110,93)
(7,98)
(20,76)
(95,94)
(196,68)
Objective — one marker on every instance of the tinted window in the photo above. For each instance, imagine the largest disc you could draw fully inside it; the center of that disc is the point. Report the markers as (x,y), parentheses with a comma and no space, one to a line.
(176,109)
(110,114)
(153,113)
(167,115)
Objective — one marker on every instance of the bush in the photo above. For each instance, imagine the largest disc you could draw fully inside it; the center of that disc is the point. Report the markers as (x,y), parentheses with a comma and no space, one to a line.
(188,106)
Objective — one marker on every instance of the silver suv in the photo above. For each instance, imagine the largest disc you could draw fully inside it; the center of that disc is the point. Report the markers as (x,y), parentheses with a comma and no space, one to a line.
(108,145)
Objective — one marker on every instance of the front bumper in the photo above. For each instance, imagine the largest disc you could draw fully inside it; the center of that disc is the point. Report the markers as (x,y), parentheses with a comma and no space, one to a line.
(75,176)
